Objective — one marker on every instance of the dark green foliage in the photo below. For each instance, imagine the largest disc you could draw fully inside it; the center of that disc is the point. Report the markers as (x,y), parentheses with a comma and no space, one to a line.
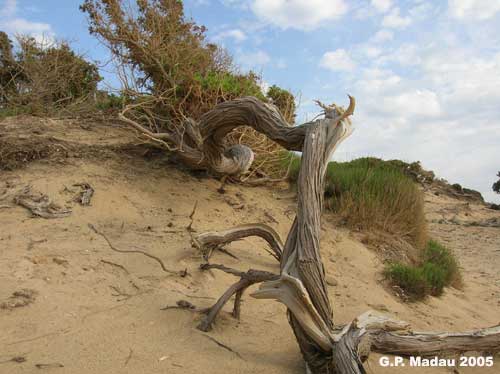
(435,276)
(7,67)
(496,185)
(284,100)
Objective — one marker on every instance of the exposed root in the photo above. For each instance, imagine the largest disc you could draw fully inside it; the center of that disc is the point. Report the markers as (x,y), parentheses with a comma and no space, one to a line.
(223,345)
(163,267)
(191,217)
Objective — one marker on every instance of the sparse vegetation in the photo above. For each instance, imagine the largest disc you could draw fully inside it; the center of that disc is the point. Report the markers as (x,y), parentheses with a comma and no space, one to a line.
(439,268)
(369,193)
(43,77)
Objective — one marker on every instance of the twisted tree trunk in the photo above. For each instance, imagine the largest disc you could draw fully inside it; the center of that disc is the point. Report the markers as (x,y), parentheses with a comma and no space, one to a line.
(202,145)
(301,286)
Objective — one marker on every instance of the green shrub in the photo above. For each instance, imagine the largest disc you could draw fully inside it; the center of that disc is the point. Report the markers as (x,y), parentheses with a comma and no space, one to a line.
(437,254)
(439,268)
(435,277)
(369,193)
(229,85)
(410,279)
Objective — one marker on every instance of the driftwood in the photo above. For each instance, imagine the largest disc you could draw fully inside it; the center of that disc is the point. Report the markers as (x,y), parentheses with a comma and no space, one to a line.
(40,205)
(301,286)
(85,194)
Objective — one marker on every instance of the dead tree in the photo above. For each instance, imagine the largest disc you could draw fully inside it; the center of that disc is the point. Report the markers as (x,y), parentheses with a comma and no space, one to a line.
(327,348)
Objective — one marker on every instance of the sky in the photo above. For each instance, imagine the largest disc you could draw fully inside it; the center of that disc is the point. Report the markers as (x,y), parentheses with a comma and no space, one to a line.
(425,73)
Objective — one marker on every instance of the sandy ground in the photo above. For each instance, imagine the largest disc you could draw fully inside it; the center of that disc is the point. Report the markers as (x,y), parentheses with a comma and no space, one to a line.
(90,309)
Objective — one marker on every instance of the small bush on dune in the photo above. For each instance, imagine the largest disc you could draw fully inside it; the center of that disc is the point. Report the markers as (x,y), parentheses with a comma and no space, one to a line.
(410,279)
(371,194)
(439,268)
(437,254)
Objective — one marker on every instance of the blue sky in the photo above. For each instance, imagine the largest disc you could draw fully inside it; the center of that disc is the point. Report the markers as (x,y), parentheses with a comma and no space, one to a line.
(426,74)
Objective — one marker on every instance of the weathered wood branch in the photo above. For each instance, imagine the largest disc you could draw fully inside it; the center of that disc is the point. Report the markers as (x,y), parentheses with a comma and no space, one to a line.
(207,241)
(246,280)
(437,343)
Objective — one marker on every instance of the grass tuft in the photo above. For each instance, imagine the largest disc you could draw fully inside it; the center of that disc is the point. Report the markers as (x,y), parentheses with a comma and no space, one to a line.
(369,193)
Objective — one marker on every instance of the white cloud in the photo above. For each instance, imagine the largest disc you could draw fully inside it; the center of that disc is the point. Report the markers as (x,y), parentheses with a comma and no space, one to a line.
(394,20)
(23,26)
(371,52)
(473,9)
(382,36)
(236,34)
(9,8)
(299,14)
(338,60)
(255,59)
(382,5)
(446,115)
(404,55)
(17,25)
(434,99)
(281,63)
(468,82)
(414,103)
(422,11)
